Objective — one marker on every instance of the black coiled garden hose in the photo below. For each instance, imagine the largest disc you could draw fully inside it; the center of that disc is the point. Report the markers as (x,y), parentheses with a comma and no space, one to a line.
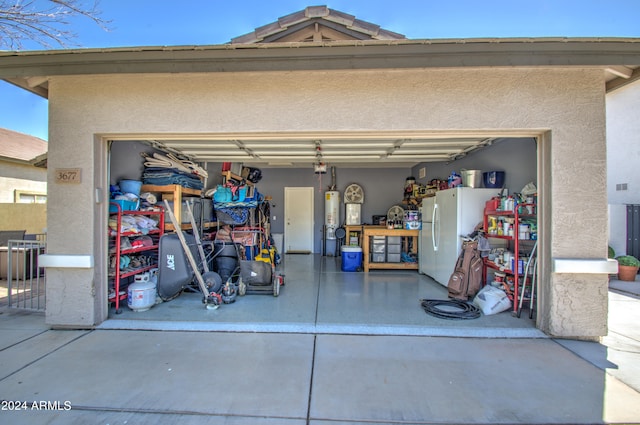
(455,309)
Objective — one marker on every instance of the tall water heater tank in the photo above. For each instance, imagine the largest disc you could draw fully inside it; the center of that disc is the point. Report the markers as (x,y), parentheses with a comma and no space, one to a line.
(331,212)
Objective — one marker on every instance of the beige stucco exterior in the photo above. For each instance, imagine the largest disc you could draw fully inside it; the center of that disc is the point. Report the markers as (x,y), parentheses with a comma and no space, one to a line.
(32,218)
(16,178)
(564,107)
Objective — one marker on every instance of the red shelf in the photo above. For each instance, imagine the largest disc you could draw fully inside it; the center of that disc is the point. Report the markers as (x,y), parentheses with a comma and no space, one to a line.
(138,270)
(517,277)
(494,266)
(138,249)
(115,273)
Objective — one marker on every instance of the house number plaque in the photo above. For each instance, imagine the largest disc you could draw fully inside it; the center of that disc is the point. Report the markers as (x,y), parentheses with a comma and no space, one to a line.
(68,175)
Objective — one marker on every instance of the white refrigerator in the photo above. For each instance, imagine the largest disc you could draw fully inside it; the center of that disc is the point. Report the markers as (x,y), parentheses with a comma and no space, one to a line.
(446,218)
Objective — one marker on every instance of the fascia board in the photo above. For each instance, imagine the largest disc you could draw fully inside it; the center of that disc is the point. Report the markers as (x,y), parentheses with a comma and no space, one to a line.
(396,54)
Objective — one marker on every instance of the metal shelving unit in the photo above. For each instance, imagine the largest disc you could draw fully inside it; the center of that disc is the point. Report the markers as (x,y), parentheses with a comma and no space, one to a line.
(116,252)
(514,241)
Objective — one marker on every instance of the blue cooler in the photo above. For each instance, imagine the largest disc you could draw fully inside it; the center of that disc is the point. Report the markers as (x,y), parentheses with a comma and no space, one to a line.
(351,258)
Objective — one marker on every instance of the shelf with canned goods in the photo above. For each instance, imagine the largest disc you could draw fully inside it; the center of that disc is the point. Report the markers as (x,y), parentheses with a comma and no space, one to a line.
(513,232)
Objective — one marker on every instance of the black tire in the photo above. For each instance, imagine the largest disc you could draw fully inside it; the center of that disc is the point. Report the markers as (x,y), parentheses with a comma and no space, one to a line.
(212,281)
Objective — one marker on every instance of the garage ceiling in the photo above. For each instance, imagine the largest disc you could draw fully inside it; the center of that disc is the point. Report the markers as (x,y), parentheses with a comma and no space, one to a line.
(384,151)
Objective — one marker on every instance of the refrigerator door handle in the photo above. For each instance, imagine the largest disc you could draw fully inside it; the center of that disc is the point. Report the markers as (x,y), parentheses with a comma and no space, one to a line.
(433,227)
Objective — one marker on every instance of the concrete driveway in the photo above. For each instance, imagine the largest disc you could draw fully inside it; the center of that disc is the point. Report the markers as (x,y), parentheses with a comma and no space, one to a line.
(150,377)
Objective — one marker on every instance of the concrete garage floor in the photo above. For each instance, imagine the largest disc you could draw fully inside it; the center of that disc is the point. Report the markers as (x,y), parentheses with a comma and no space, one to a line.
(319,298)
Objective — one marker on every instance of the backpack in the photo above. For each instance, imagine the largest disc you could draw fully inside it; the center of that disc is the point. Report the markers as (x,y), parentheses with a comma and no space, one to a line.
(466,279)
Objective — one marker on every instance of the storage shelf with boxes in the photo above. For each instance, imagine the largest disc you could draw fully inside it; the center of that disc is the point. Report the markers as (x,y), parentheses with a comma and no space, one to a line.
(378,253)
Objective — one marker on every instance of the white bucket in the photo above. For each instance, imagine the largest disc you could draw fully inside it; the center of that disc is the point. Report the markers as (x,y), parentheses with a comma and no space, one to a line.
(141,296)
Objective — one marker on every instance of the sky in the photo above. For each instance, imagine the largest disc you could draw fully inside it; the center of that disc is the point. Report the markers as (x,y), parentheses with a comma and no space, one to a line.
(202,22)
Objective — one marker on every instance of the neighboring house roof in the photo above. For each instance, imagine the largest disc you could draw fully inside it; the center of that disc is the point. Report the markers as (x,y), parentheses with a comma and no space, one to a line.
(21,147)
(316,24)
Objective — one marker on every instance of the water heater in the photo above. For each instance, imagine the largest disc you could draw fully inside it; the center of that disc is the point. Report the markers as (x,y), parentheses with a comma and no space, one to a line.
(331,212)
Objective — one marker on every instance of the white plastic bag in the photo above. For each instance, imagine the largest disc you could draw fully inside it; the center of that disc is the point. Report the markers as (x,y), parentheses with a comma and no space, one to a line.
(492,300)
(529,189)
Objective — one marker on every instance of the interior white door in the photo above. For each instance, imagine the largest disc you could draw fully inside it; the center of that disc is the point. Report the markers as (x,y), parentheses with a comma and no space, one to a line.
(298,219)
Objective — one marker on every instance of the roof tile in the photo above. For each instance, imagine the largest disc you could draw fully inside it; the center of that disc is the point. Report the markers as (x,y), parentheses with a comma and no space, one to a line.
(292,19)
(316,12)
(365,27)
(268,29)
(340,17)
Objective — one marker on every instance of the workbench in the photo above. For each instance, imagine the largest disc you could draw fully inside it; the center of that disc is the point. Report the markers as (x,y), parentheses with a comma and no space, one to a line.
(357,228)
(177,193)
(367,232)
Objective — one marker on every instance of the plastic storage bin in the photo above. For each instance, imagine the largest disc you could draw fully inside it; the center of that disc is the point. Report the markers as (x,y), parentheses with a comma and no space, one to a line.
(378,257)
(393,258)
(493,179)
(351,258)
(124,205)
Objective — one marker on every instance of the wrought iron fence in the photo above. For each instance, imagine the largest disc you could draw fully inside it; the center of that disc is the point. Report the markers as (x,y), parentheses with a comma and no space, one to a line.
(26,283)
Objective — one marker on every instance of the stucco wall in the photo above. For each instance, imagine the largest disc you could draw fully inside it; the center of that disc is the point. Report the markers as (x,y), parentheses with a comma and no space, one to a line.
(567,102)
(623,144)
(24,177)
(623,154)
(29,217)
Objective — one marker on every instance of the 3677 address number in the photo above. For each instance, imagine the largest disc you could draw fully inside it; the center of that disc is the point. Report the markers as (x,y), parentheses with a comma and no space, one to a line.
(68,175)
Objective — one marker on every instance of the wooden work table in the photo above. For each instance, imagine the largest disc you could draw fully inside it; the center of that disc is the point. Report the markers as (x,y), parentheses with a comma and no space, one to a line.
(378,231)
(177,193)
(357,228)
